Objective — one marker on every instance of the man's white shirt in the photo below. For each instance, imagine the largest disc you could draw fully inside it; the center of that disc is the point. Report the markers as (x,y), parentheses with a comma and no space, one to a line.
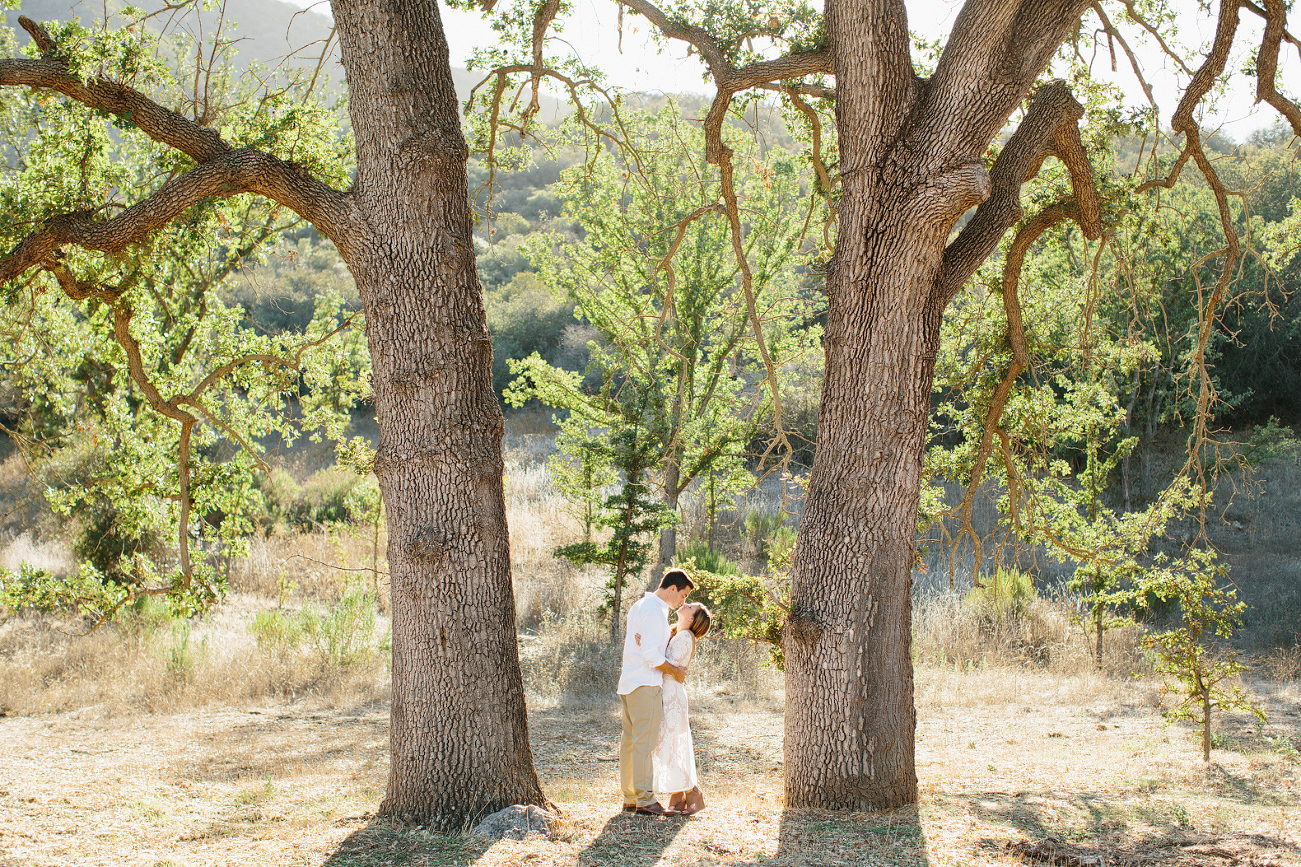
(644,644)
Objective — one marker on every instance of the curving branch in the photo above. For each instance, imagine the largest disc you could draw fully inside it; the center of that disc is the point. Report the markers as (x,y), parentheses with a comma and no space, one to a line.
(666,261)
(1210,70)
(500,79)
(725,74)
(246,170)
(1025,236)
(1275,16)
(1141,20)
(1049,129)
(1286,34)
(1114,35)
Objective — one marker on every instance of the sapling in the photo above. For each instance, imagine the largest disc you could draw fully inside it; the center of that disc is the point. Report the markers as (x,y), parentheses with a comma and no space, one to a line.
(1192,653)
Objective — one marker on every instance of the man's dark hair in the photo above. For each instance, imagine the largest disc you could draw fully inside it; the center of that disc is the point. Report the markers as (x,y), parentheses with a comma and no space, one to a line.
(677,579)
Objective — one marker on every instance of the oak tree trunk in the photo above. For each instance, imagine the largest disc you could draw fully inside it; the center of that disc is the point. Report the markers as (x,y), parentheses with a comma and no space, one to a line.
(911,159)
(459,737)
(849,716)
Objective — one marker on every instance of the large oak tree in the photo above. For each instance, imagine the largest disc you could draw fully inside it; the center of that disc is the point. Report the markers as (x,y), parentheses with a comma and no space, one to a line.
(459,736)
(912,160)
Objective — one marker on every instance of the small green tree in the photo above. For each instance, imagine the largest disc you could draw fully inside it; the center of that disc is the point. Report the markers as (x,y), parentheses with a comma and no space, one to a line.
(679,324)
(581,470)
(631,512)
(1193,653)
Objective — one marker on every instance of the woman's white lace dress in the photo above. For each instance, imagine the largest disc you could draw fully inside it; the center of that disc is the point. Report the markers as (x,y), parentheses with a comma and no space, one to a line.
(675,757)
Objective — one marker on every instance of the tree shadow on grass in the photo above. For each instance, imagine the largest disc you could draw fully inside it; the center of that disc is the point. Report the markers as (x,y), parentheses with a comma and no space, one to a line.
(816,837)
(1076,830)
(1245,790)
(383,842)
(1040,814)
(630,840)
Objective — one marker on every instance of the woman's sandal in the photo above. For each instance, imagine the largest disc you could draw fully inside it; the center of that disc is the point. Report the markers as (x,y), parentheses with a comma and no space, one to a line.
(693,802)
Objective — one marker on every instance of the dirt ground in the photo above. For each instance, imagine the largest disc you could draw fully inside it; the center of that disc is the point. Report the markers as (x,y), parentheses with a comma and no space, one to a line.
(1014,769)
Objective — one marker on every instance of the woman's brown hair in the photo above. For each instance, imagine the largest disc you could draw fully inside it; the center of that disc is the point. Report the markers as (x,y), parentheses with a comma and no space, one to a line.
(701,622)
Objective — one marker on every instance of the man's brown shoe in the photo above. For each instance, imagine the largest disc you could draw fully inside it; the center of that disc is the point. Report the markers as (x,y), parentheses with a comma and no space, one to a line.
(630,808)
(654,809)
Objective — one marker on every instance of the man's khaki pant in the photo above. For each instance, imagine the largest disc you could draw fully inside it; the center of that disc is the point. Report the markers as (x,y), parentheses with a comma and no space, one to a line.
(642,710)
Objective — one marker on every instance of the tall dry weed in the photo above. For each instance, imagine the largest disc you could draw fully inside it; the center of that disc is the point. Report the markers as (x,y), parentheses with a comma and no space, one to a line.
(156,663)
(950,632)
(1281,664)
(53,556)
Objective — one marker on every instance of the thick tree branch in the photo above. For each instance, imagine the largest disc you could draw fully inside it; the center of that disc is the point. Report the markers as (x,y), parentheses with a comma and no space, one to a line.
(995,52)
(229,174)
(1211,69)
(545,15)
(160,124)
(1287,35)
(1049,129)
(876,85)
(328,209)
(1267,64)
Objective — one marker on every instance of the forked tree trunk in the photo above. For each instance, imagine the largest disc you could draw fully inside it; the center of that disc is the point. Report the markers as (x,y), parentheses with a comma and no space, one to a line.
(911,160)
(459,736)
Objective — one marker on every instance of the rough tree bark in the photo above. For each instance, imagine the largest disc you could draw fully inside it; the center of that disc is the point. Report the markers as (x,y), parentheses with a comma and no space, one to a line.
(911,157)
(459,737)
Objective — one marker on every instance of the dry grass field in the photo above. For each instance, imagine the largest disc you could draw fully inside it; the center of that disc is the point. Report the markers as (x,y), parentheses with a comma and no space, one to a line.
(1015,767)
(225,741)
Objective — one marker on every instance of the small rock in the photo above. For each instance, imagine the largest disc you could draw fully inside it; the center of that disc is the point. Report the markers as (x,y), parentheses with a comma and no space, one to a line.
(515,823)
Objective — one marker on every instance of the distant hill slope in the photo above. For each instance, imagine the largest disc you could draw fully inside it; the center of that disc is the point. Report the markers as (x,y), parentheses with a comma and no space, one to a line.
(271,32)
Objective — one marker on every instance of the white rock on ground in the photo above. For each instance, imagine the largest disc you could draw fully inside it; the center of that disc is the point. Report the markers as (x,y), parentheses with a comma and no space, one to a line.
(515,823)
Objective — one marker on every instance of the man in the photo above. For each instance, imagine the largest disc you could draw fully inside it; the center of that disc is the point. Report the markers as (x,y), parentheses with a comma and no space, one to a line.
(644,667)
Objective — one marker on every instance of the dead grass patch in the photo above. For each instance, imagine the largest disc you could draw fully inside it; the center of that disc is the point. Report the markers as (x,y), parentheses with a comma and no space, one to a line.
(1057,767)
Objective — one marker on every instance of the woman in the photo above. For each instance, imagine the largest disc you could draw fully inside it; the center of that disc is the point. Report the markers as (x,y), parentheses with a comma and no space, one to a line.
(675,757)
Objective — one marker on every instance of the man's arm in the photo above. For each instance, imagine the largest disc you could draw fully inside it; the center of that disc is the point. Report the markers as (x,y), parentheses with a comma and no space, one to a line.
(677,672)
(646,636)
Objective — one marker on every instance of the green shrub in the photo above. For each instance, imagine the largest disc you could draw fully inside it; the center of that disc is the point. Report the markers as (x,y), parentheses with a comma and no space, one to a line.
(345,634)
(707,559)
(181,658)
(276,632)
(1002,596)
(342,635)
(327,497)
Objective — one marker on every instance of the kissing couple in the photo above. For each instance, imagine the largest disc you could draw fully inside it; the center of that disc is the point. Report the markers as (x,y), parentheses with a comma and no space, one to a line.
(656,753)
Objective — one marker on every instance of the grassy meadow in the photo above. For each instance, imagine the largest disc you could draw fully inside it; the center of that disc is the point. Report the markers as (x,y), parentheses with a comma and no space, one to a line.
(257,735)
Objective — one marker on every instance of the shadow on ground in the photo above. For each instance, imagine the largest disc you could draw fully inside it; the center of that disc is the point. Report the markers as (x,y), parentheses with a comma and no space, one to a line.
(809,837)
(629,840)
(382,842)
(1178,849)
(1090,829)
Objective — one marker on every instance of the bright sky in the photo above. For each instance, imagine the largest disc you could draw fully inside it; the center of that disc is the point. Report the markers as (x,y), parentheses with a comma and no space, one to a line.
(593,35)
